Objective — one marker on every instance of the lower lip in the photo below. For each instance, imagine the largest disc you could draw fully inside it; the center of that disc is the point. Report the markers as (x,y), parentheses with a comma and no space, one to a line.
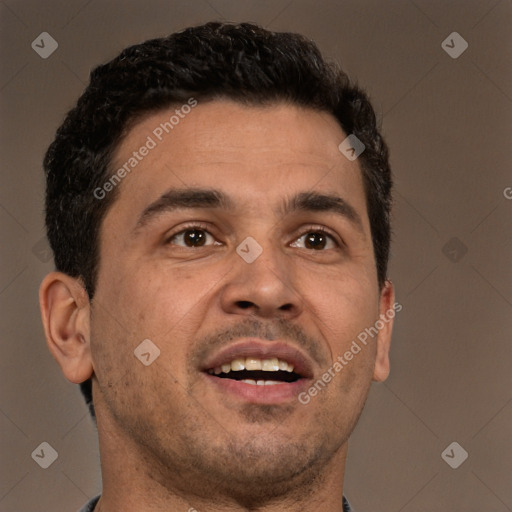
(257,394)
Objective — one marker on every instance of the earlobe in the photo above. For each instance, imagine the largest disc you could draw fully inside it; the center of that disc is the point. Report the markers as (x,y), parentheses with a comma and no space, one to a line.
(387,312)
(65,312)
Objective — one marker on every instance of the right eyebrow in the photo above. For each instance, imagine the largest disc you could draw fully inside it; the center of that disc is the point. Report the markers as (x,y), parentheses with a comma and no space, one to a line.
(183,198)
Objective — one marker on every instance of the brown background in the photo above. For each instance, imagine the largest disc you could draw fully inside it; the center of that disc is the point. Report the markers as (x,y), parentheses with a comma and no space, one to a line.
(448,124)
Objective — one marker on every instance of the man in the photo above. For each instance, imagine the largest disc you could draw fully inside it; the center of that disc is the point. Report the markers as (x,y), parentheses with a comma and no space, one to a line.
(218,206)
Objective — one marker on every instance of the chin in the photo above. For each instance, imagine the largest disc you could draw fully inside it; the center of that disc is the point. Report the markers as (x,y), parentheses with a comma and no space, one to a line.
(256,468)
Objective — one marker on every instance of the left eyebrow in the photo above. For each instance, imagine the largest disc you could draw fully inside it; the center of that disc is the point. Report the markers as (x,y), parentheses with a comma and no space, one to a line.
(316,202)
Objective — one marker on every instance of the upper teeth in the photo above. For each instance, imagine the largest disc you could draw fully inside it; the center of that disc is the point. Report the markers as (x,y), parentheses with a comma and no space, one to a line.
(251,363)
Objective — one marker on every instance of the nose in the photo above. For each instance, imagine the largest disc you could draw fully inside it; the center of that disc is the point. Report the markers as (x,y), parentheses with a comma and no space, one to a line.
(265,288)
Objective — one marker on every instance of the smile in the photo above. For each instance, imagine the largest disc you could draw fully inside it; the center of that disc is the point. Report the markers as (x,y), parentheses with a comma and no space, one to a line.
(257,372)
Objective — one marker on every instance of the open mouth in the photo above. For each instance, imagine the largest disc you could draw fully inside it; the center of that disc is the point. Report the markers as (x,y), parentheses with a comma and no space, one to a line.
(258,372)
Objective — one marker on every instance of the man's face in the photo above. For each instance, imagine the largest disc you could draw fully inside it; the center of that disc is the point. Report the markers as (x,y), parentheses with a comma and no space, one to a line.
(176,268)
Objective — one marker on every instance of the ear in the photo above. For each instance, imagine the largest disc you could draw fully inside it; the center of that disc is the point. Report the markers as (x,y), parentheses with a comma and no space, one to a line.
(387,312)
(65,312)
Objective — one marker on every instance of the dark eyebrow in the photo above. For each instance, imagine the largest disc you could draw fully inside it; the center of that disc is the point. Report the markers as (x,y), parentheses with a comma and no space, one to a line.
(316,202)
(184,198)
(212,198)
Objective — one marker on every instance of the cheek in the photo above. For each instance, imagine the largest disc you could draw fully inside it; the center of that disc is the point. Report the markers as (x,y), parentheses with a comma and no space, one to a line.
(150,300)
(141,307)
(344,304)
(172,301)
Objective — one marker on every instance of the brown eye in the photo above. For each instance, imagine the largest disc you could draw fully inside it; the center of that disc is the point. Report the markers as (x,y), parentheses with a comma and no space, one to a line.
(193,237)
(315,240)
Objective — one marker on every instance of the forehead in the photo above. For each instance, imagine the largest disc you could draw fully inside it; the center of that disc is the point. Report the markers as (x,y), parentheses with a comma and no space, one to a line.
(255,153)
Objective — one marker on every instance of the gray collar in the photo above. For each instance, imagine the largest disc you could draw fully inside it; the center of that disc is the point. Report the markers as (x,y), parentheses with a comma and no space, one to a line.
(89,507)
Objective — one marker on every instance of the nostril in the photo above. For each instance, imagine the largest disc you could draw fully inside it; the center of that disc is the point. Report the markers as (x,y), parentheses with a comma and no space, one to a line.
(244,304)
(286,307)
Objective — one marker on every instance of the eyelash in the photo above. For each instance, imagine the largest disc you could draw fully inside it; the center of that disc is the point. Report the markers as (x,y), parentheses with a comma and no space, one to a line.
(308,229)
(195,226)
(320,229)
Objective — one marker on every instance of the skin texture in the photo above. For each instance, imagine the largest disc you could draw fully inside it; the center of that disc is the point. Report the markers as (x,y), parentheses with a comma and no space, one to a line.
(169,439)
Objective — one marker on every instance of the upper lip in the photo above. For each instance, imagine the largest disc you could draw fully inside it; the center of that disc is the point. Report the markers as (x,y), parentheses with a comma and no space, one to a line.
(261,349)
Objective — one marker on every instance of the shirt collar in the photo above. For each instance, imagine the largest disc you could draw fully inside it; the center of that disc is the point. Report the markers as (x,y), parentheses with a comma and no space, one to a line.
(89,507)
